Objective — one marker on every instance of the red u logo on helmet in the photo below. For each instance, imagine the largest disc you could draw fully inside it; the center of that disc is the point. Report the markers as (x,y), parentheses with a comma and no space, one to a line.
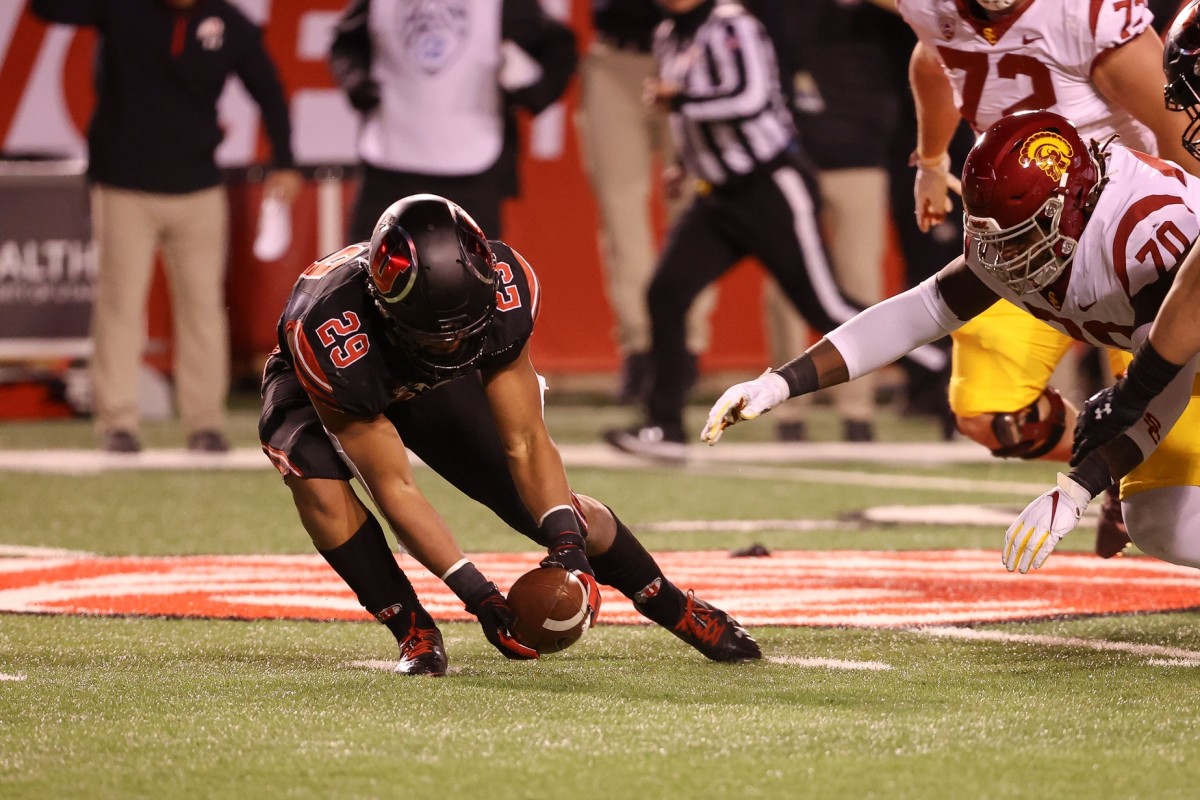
(393,265)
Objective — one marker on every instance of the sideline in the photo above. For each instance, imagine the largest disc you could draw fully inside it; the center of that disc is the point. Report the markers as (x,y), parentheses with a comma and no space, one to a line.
(91,461)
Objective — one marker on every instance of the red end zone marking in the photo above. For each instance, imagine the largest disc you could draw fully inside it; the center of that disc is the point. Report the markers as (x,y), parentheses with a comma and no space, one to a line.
(848,588)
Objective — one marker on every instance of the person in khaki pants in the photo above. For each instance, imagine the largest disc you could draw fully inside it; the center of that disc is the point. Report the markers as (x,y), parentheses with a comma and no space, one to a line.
(156,187)
(192,231)
(832,55)
(854,213)
(622,139)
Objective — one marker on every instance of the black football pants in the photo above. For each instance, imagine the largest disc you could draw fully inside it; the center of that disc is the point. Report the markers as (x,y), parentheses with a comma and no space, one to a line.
(450,428)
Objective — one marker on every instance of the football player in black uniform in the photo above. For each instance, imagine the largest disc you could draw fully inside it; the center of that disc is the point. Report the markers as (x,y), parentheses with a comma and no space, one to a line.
(418,339)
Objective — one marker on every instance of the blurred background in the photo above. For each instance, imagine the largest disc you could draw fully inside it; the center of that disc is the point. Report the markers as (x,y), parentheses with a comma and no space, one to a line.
(47,263)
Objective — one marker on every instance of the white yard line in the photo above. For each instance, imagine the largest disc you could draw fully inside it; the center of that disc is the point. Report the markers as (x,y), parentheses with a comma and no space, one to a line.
(85,462)
(1169,656)
(873,479)
(28,551)
(829,663)
(745,525)
(387,666)
(7,677)
(737,460)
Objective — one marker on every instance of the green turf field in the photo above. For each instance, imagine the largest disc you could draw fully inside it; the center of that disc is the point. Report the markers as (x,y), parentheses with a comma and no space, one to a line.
(136,707)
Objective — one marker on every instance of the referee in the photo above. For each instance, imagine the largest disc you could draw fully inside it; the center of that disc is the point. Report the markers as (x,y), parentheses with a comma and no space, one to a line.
(755,196)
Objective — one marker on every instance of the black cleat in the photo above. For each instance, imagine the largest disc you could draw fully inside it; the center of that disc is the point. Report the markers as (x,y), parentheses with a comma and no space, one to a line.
(1112,537)
(857,430)
(208,441)
(635,378)
(422,652)
(650,441)
(121,441)
(714,633)
(791,431)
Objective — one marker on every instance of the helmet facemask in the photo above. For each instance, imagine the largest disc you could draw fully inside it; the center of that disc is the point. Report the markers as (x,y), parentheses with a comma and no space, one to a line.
(1030,184)
(997,6)
(1181,62)
(447,353)
(1180,95)
(1026,257)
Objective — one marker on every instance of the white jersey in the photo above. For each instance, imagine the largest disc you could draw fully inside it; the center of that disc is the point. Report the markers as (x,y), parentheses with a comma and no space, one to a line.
(1143,224)
(441,111)
(1040,57)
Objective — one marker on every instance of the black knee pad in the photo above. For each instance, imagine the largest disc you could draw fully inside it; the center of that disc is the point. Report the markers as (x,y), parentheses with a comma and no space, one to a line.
(1025,433)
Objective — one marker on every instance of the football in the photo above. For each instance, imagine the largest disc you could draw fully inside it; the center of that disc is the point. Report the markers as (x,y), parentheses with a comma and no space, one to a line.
(551,608)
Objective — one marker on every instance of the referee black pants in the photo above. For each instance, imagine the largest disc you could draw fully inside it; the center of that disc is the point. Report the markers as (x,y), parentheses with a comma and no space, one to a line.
(772,216)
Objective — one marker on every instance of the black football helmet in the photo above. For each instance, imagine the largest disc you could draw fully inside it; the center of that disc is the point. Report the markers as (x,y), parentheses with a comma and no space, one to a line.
(1181,63)
(434,279)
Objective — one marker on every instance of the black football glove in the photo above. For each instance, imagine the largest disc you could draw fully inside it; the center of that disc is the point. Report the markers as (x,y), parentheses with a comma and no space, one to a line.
(1105,416)
(496,619)
(566,551)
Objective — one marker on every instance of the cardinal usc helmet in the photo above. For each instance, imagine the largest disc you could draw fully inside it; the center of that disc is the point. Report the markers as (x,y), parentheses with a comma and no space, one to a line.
(433,276)
(1181,64)
(1028,186)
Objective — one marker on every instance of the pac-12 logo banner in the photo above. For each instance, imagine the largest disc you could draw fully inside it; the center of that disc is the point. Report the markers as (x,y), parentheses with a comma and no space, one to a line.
(832,588)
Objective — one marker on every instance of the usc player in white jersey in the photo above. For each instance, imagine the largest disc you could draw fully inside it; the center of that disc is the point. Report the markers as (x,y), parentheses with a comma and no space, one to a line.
(1095,62)
(1174,338)
(1087,237)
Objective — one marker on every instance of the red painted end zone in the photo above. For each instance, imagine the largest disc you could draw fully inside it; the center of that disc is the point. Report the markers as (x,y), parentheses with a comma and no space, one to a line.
(856,588)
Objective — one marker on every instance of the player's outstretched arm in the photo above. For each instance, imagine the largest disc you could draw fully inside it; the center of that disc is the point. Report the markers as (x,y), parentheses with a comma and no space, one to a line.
(378,455)
(1175,334)
(375,449)
(514,394)
(1131,76)
(937,120)
(819,367)
(872,339)
(1032,537)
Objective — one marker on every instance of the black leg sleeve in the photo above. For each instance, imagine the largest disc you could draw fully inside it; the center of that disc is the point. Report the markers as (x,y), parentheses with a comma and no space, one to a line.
(366,564)
(628,568)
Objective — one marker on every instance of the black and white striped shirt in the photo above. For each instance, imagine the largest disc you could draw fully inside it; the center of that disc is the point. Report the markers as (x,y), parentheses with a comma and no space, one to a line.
(730,117)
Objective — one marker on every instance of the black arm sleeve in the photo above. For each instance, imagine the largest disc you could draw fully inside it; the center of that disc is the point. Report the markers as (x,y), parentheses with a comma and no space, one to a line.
(800,374)
(350,53)
(257,73)
(548,42)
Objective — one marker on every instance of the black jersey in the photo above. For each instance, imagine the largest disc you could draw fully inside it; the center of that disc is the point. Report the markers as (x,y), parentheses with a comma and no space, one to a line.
(336,342)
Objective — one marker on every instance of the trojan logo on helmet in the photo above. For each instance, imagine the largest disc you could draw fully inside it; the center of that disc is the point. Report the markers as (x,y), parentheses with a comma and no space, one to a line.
(1029,184)
(1049,152)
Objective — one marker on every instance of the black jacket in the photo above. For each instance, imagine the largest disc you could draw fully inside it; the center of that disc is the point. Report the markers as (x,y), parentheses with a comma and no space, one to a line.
(847,99)
(159,73)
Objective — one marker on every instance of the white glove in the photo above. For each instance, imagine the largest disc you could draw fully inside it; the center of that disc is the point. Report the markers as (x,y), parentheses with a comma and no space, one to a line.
(274,229)
(1042,525)
(744,401)
(931,191)
(518,69)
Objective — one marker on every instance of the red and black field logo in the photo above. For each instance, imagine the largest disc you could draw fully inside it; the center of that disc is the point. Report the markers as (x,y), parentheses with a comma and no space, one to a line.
(823,588)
